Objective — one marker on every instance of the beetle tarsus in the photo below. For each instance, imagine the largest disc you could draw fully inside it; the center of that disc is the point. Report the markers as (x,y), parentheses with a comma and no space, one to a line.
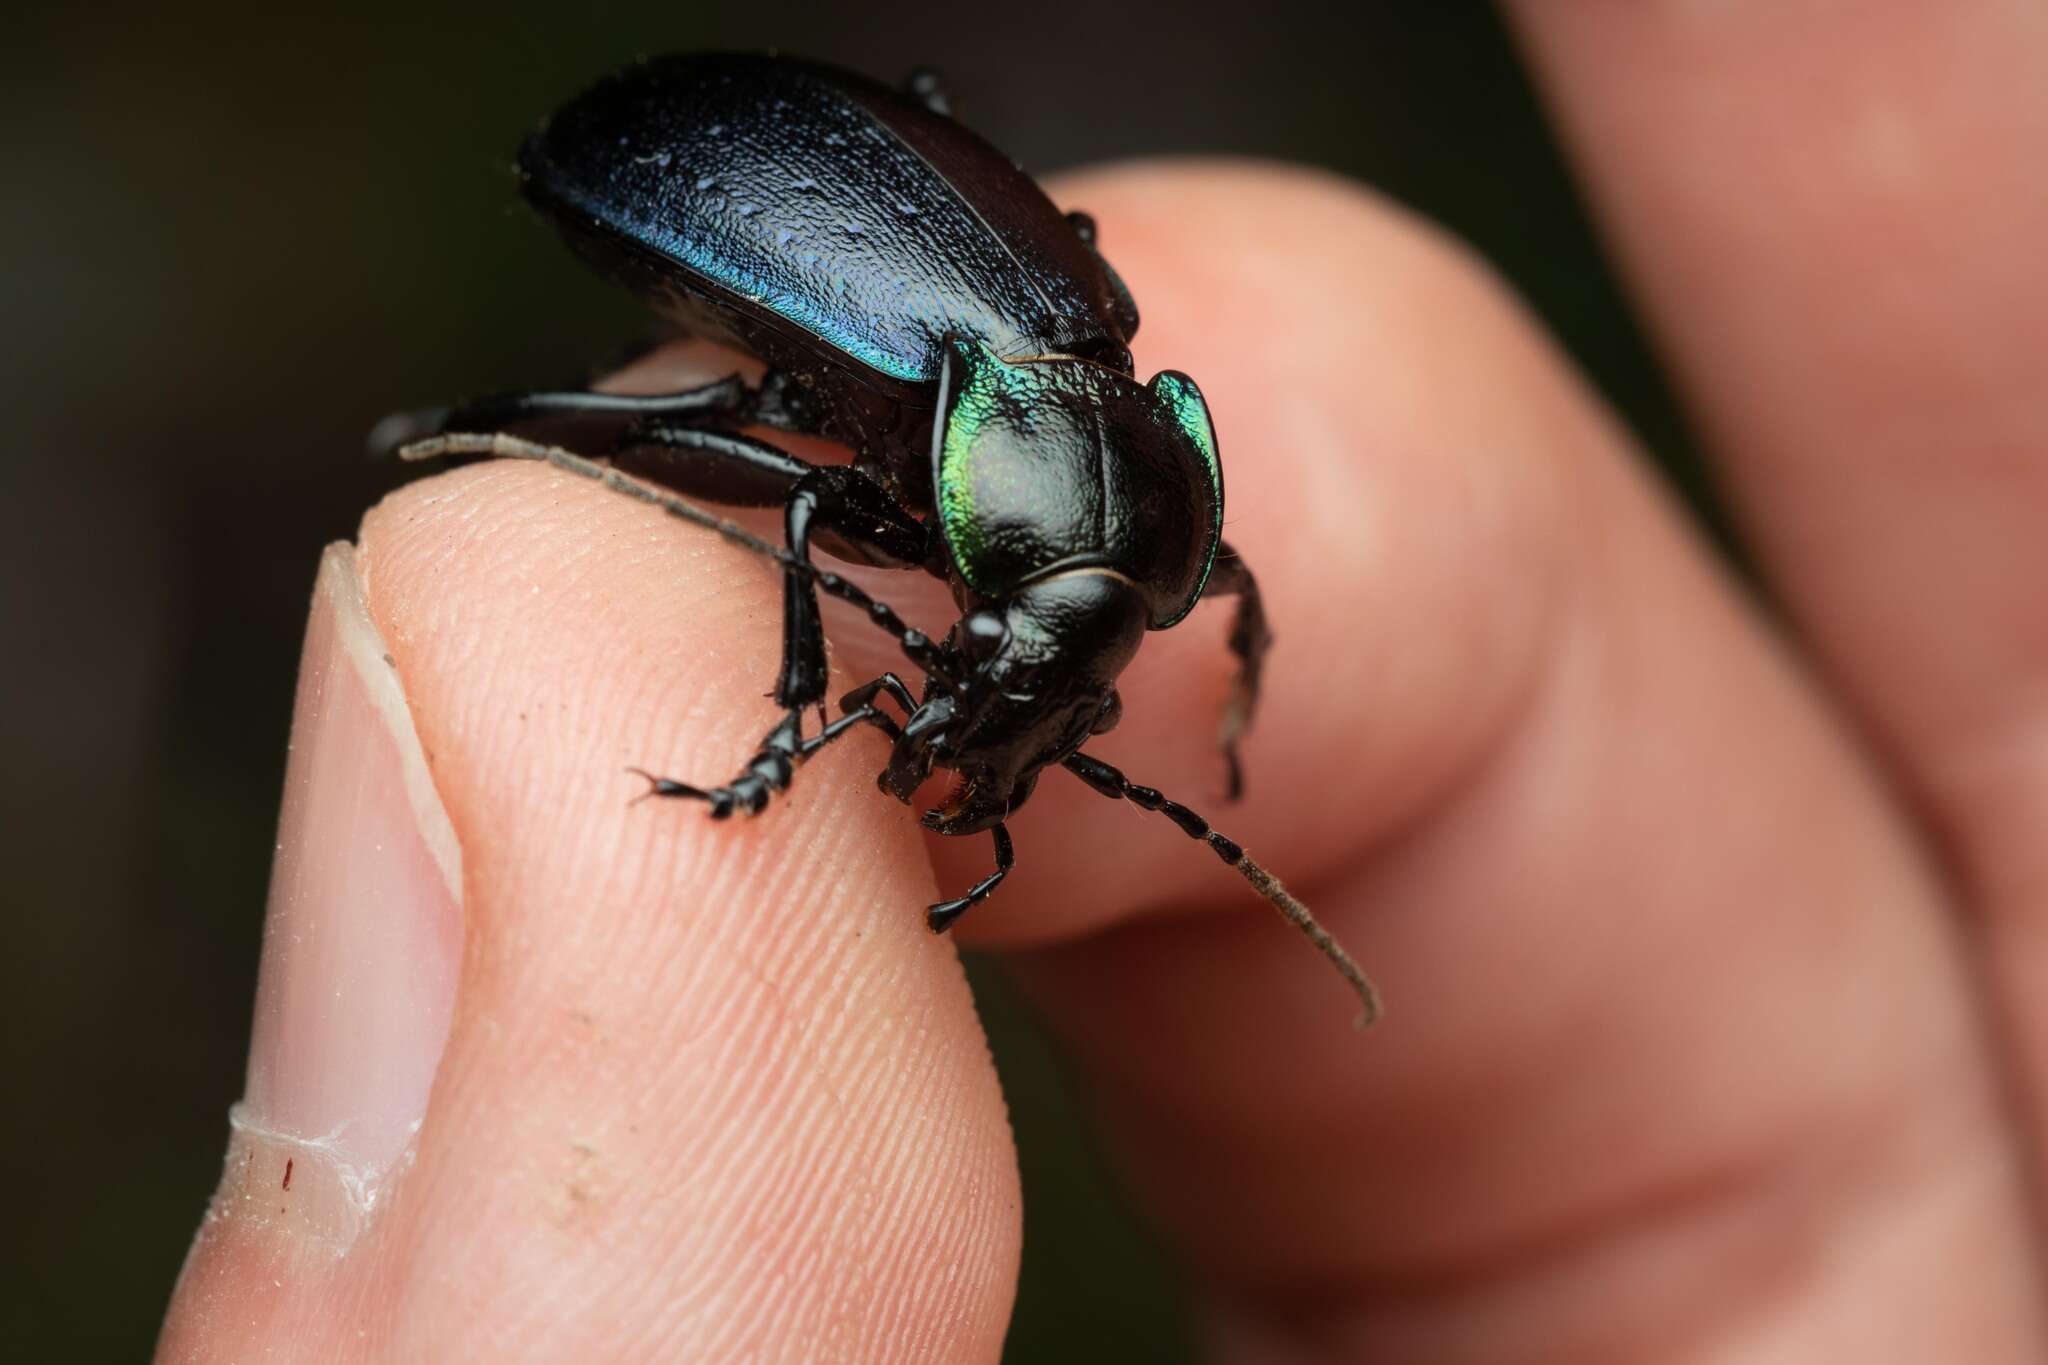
(940,917)
(664,786)
(768,772)
(782,750)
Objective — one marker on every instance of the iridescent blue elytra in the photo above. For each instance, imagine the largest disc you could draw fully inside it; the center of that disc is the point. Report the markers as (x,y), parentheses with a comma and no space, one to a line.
(827,208)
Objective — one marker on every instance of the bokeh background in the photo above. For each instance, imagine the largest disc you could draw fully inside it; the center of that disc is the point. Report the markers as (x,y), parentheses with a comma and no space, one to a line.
(234,235)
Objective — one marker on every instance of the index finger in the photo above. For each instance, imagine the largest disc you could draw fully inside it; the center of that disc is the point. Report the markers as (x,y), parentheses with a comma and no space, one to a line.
(709,1090)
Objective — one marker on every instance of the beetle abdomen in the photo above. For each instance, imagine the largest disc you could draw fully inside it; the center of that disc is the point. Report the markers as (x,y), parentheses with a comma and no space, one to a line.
(836,212)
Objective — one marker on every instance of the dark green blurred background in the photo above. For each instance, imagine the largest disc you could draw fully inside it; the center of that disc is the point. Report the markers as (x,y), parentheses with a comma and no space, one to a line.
(236,235)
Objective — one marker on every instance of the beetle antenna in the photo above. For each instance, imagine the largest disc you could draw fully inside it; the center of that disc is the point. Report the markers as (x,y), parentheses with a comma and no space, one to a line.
(1112,783)
(915,644)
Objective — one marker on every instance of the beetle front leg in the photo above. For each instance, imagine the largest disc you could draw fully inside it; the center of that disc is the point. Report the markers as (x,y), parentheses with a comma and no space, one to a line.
(1249,640)
(865,694)
(773,767)
(941,916)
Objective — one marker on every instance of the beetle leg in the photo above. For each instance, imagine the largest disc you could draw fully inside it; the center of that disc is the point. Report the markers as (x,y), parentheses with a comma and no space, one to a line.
(844,509)
(782,402)
(802,679)
(865,694)
(940,662)
(771,769)
(1249,640)
(937,660)
(577,418)
(863,524)
(941,916)
(851,513)
(854,518)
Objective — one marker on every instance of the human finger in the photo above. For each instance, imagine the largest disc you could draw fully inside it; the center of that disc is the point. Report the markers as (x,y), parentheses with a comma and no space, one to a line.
(589,1080)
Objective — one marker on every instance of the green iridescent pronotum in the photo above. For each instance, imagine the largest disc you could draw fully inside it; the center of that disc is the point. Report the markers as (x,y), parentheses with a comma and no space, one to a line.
(1046,467)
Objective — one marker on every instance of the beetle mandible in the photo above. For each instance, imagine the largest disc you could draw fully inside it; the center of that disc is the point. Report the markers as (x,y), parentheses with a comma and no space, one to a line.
(915,296)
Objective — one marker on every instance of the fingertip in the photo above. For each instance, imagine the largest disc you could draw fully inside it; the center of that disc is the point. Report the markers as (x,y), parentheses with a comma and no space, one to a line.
(708,1083)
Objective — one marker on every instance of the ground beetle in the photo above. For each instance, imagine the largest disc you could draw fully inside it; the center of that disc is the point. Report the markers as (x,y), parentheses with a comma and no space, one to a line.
(915,296)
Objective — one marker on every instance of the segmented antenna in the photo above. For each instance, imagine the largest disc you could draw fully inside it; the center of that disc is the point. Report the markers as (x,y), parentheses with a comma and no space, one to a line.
(1112,783)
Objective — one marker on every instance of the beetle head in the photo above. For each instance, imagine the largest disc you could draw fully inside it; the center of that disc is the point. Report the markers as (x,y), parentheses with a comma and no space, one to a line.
(1040,671)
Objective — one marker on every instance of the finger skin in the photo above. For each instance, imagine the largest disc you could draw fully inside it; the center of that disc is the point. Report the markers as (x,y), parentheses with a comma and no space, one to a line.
(1834,215)
(711,1091)
(1681,1059)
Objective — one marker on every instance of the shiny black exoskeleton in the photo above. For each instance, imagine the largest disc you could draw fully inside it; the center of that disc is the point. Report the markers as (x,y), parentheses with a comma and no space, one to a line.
(915,296)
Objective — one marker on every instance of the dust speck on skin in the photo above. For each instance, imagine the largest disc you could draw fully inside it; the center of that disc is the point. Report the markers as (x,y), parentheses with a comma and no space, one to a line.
(585,1183)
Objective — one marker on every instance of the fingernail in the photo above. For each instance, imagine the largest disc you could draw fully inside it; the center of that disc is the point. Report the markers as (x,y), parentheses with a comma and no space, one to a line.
(361,942)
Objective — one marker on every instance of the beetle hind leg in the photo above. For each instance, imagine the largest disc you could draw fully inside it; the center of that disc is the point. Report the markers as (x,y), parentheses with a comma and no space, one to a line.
(1249,640)
(578,419)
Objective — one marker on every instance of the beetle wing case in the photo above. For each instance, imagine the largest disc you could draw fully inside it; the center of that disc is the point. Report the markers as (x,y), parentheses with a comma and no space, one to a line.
(760,198)
(1053,464)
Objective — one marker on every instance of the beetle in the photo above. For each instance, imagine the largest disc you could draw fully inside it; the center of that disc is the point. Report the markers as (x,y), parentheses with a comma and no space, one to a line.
(915,296)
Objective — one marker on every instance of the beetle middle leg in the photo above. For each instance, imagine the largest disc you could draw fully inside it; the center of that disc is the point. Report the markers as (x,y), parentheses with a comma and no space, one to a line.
(840,507)
(844,509)
(1249,640)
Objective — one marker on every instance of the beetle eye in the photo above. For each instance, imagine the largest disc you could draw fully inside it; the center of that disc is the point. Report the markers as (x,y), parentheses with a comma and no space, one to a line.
(1112,711)
(982,633)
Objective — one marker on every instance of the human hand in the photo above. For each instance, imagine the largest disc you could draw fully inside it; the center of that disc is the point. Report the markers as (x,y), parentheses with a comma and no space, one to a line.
(1714,1023)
